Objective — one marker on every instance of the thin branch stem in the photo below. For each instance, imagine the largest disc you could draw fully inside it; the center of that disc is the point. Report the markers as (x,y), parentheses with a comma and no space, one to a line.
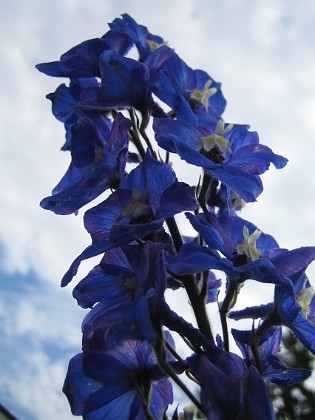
(135,136)
(196,299)
(172,374)
(225,307)
(202,197)
(147,140)
(174,231)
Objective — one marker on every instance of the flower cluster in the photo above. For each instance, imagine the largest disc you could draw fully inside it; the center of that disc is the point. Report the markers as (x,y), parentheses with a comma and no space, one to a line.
(129,363)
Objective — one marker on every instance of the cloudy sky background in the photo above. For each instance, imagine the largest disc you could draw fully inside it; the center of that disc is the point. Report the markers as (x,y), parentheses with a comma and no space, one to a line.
(262,52)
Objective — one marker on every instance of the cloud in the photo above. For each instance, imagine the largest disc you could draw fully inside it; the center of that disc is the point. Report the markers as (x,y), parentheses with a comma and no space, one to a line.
(40,332)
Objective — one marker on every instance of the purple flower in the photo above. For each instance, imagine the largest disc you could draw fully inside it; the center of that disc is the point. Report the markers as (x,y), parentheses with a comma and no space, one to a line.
(130,296)
(67,105)
(124,275)
(124,83)
(142,38)
(145,198)
(98,163)
(246,249)
(273,368)
(236,238)
(117,383)
(230,153)
(193,96)
(82,60)
(106,326)
(228,389)
(294,302)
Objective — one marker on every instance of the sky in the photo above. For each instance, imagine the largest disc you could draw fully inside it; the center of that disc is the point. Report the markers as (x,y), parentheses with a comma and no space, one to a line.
(261,52)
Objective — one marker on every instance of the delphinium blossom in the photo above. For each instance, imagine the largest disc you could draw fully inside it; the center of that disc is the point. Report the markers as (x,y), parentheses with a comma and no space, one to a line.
(112,107)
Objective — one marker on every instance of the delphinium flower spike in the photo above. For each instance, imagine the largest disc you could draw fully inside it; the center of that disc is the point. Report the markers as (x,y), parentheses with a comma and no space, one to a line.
(129,362)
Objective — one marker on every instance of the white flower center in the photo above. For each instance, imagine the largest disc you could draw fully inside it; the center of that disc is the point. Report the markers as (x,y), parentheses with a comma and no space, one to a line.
(248,246)
(203,95)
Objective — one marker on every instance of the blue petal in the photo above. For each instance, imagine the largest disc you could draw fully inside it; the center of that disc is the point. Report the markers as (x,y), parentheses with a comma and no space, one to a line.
(291,262)
(177,198)
(212,235)
(80,61)
(281,374)
(192,258)
(89,252)
(124,81)
(304,331)
(135,324)
(126,407)
(104,282)
(255,159)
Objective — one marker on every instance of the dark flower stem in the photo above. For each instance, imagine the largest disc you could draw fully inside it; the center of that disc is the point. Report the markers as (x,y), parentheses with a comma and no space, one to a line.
(197,299)
(147,140)
(254,347)
(202,197)
(225,307)
(135,136)
(174,231)
(172,374)
(172,351)
(199,307)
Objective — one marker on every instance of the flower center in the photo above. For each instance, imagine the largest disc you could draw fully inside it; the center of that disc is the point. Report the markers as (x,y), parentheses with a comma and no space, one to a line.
(248,246)
(138,210)
(215,145)
(304,299)
(203,95)
(153,45)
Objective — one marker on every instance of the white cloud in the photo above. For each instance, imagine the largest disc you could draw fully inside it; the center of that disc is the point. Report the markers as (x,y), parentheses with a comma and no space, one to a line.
(40,331)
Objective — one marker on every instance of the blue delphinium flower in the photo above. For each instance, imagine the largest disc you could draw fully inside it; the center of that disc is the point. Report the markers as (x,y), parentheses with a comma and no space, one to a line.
(230,390)
(98,163)
(142,38)
(67,106)
(293,301)
(245,248)
(117,384)
(82,60)
(116,91)
(193,96)
(105,327)
(148,196)
(123,275)
(130,295)
(230,153)
(272,367)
